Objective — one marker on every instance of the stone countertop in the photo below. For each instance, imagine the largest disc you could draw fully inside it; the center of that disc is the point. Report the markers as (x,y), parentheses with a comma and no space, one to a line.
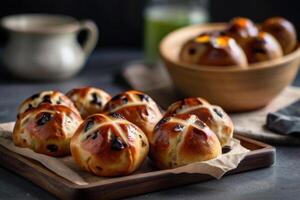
(281,181)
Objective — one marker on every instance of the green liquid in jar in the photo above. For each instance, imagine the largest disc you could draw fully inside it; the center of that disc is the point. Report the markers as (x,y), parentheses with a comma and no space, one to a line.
(161,20)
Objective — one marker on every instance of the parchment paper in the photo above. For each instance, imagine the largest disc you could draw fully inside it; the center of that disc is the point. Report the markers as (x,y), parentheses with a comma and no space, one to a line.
(66,168)
(155,81)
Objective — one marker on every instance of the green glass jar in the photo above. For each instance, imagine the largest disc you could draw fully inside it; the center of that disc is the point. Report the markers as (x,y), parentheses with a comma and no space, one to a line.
(164,16)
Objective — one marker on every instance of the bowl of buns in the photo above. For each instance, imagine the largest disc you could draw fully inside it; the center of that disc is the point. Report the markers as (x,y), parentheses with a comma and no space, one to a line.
(239,65)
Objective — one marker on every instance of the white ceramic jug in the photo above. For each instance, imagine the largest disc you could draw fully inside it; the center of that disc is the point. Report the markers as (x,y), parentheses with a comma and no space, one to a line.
(45,47)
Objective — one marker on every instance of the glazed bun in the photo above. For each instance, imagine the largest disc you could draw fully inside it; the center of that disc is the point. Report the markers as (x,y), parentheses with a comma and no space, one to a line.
(137,108)
(240,29)
(213,116)
(262,47)
(213,50)
(46,129)
(181,140)
(89,100)
(109,145)
(46,97)
(283,30)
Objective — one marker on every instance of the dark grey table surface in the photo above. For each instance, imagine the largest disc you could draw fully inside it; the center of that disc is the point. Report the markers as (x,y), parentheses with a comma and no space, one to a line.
(281,181)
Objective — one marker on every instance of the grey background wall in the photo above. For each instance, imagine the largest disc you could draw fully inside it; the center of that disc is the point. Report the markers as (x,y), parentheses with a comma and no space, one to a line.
(121,21)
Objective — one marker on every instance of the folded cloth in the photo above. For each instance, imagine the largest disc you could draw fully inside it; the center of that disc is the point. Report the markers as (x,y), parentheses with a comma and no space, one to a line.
(285,120)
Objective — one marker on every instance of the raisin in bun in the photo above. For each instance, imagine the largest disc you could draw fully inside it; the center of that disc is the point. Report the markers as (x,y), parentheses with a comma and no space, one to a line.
(213,50)
(181,140)
(109,145)
(240,29)
(89,100)
(283,30)
(46,129)
(46,97)
(213,116)
(137,108)
(262,47)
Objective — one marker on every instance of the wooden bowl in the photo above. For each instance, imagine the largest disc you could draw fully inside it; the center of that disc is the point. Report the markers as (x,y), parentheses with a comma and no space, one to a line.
(232,88)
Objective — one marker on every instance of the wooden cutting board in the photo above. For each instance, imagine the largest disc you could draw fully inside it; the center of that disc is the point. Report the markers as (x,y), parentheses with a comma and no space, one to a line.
(260,155)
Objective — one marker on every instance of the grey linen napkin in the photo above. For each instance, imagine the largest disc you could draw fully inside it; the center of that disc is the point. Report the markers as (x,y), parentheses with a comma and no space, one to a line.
(154,80)
(285,120)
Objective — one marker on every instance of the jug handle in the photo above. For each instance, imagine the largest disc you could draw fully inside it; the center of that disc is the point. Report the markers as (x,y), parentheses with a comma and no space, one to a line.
(92,35)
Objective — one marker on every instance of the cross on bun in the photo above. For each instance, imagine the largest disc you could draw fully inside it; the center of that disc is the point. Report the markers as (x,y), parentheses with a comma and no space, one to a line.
(89,100)
(213,50)
(183,139)
(137,108)
(46,97)
(46,129)
(213,116)
(109,145)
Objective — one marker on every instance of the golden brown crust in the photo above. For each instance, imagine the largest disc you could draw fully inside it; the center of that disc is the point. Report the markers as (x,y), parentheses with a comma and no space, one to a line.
(262,47)
(46,97)
(109,145)
(89,100)
(181,140)
(240,29)
(137,108)
(46,129)
(213,49)
(283,30)
(213,116)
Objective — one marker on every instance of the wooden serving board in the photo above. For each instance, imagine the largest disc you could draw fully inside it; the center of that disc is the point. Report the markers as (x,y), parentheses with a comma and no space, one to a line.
(260,155)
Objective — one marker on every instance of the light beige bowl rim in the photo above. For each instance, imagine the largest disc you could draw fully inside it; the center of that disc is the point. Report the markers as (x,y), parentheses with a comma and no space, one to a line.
(39,23)
(219,26)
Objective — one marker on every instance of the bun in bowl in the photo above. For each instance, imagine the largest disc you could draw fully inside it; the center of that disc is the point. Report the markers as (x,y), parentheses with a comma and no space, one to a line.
(283,30)
(213,49)
(262,47)
(240,29)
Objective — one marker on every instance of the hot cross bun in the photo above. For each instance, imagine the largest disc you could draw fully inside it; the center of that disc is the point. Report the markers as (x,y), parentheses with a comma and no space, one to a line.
(109,145)
(213,50)
(89,100)
(46,97)
(240,29)
(46,129)
(283,30)
(262,47)
(183,139)
(137,108)
(213,116)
